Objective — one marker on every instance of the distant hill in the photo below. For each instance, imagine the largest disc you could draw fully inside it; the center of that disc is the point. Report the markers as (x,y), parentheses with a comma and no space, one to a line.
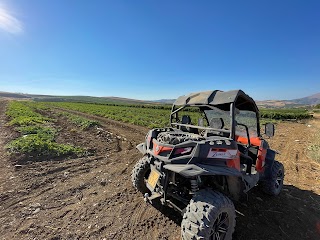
(165,101)
(299,102)
(271,103)
(127,100)
(13,95)
(306,101)
(310,100)
(89,99)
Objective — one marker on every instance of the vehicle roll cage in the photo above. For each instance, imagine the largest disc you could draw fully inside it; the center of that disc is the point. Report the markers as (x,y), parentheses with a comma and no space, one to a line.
(175,112)
(227,101)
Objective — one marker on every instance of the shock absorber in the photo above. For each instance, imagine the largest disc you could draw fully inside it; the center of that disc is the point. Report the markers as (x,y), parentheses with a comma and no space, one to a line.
(194,185)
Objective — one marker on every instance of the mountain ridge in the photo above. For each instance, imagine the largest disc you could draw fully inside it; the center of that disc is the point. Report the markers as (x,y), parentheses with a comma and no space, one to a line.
(305,101)
(309,100)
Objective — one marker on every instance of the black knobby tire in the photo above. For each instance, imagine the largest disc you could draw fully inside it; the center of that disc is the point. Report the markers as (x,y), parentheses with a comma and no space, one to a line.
(273,185)
(209,215)
(140,174)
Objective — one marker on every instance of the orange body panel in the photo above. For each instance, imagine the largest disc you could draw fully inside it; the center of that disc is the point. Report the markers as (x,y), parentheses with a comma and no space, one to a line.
(255,141)
(261,159)
(234,163)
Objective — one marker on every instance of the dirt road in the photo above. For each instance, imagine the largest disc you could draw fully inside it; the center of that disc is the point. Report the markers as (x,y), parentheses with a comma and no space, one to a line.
(93,198)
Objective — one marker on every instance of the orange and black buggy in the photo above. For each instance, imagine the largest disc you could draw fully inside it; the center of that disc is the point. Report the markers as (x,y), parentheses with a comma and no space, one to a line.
(212,153)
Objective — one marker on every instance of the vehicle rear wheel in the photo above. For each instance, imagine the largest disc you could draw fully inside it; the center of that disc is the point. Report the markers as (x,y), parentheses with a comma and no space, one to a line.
(274,184)
(140,174)
(209,215)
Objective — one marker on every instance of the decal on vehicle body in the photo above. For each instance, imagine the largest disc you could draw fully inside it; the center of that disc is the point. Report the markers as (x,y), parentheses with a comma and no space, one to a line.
(222,153)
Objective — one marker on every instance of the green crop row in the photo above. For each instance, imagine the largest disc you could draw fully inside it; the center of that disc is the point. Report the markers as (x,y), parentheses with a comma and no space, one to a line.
(283,114)
(138,116)
(37,135)
(22,115)
(82,122)
(143,116)
(158,116)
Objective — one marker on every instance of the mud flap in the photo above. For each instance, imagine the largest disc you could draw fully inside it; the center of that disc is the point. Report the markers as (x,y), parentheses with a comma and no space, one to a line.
(269,162)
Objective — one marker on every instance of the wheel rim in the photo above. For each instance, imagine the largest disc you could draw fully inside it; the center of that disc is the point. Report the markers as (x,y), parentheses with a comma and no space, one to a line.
(220,227)
(279,179)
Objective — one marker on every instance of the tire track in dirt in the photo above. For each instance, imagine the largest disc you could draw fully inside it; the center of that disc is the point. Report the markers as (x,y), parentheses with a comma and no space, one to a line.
(141,211)
(126,130)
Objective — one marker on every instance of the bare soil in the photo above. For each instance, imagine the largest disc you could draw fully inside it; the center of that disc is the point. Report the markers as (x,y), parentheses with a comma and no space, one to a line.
(92,197)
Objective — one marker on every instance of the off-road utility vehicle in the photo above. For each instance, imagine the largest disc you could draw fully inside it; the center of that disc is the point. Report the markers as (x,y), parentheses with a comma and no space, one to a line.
(213,152)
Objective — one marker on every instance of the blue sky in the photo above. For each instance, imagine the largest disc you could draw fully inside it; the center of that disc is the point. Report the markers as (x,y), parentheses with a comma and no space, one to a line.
(160,49)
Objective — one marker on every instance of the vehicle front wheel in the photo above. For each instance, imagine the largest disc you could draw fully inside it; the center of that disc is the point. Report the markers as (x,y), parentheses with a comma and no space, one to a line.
(140,174)
(274,184)
(209,215)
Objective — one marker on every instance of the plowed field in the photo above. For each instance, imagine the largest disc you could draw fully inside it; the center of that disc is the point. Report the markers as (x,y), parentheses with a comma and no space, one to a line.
(92,197)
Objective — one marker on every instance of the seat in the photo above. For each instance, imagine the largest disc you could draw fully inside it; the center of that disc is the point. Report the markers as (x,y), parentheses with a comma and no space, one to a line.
(216,123)
(245,159)
(187,120)
(252,150)
(248,156)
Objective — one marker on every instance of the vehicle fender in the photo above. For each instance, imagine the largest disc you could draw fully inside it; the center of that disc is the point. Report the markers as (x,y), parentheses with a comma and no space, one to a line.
(142,148)
(269,160)
(193,170)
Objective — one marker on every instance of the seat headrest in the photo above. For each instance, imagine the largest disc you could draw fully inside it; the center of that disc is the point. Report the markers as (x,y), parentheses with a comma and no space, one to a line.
(186,119)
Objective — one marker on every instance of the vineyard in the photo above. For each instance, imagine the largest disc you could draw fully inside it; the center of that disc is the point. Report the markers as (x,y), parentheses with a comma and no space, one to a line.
(157,115)
(38,134)
(150,116)
(285,114)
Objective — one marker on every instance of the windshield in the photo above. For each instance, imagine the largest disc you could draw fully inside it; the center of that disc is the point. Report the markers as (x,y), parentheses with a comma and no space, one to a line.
(218,119)
(249,119)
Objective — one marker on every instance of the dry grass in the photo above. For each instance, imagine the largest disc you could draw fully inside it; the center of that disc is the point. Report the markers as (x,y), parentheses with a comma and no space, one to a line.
(314,148)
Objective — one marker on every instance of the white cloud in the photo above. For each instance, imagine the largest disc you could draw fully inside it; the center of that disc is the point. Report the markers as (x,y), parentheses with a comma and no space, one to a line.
(9,23)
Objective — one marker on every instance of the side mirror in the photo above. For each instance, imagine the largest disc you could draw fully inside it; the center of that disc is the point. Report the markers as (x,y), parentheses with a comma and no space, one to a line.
(269,129)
